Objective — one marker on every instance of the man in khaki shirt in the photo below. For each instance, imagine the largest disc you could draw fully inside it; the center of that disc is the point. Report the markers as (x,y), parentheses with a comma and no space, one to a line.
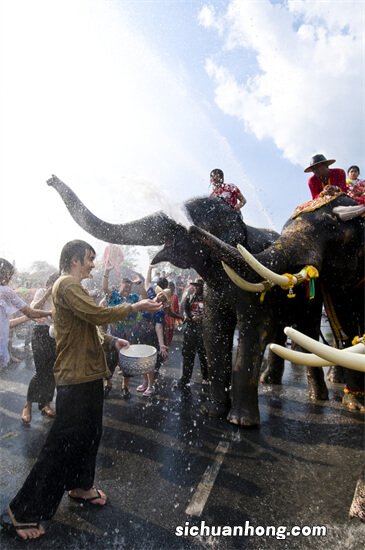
(67,459)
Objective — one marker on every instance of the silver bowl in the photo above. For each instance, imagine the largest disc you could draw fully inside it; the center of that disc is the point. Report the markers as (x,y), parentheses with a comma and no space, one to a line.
(137,359)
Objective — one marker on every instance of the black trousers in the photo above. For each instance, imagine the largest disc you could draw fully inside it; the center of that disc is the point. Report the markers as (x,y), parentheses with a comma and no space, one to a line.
(67,459)
(42,385)
(192,344)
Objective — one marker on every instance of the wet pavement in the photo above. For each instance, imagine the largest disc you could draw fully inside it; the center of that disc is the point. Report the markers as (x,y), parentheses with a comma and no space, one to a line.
(167,469)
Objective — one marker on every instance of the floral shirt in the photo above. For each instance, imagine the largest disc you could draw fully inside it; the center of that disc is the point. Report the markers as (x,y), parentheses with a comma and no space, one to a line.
(227,191)
(356,190)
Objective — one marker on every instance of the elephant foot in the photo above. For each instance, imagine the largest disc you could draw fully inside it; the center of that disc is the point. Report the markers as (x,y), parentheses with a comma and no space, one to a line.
(357,509)
(352,401)
(244,418)
(214,409)
(271,376)
(317,389)
(335,375)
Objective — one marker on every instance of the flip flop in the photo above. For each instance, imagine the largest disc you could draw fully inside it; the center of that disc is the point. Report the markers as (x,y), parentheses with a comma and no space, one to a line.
(90,500)
(9,527)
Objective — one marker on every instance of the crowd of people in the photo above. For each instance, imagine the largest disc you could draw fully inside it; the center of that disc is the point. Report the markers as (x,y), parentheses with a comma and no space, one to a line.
(76,342)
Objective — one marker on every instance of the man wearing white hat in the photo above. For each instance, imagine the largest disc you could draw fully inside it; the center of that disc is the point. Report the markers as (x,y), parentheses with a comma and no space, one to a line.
(324,176)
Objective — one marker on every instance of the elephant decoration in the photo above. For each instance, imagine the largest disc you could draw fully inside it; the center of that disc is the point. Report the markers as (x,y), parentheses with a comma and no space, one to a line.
(225,303)
(314,239)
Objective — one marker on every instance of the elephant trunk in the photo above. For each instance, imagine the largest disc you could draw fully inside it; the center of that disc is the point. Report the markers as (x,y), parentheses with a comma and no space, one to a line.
(151,230)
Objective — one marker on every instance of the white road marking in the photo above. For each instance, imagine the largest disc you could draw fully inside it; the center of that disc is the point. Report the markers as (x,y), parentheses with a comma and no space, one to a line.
(201,495)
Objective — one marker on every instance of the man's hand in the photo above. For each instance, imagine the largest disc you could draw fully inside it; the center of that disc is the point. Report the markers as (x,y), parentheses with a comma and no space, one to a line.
(147,305)
(119,343)
(330,190)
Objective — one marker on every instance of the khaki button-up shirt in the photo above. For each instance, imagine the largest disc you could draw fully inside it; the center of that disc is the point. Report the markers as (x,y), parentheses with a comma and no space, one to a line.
(80,353)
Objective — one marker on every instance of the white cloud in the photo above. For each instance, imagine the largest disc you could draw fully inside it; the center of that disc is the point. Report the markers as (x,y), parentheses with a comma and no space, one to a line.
(87,98)
(306,91)
(207,18)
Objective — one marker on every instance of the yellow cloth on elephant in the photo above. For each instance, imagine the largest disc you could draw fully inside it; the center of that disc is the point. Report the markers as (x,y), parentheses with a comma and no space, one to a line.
(314,204)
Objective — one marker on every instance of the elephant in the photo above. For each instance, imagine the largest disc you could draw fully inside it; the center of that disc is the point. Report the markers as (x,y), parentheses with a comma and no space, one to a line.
(315,237)
(224,302)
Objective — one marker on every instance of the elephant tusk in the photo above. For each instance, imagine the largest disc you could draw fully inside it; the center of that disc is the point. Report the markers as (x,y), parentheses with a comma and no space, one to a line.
(265,272)
(241,283)
(342,358)
(298,357)
(309,359)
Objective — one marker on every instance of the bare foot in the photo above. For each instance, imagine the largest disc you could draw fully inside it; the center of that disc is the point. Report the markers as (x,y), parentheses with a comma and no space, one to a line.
(27,413)
(48,411)
(92,496)
(25,531)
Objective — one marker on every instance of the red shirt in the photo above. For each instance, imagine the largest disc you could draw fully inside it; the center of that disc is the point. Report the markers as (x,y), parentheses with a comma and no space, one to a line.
(229,192)
(336,176)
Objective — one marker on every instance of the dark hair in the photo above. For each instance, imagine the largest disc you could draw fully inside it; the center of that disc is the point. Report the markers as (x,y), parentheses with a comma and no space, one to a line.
(52,278)
(217,172)
(162,282)
(6,270)
(355,167)
(71,250)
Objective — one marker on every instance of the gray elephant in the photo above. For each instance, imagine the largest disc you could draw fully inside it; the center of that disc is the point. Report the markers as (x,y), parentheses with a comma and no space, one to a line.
(318,238)
(225,304)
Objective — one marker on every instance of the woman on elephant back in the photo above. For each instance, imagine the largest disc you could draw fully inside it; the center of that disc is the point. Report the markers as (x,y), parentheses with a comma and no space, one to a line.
(226,191)
(355,186)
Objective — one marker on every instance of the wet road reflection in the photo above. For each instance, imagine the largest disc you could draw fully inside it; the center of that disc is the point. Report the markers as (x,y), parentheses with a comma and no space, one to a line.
(166,467)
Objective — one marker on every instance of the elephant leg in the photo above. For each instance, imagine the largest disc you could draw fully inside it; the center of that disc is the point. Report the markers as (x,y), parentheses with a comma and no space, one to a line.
(335,375)
(218,340)
(274,369)
(244,410)
(316,384)
(357,509)
(354,394)
(310,325)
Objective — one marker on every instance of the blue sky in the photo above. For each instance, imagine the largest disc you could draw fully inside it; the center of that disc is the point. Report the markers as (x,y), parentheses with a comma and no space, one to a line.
(132,103)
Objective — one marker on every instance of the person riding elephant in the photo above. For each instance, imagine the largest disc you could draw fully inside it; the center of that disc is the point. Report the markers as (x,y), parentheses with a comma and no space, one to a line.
(324,178)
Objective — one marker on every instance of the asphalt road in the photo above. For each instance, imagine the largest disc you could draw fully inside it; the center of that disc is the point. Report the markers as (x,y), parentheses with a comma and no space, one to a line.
(172,474)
